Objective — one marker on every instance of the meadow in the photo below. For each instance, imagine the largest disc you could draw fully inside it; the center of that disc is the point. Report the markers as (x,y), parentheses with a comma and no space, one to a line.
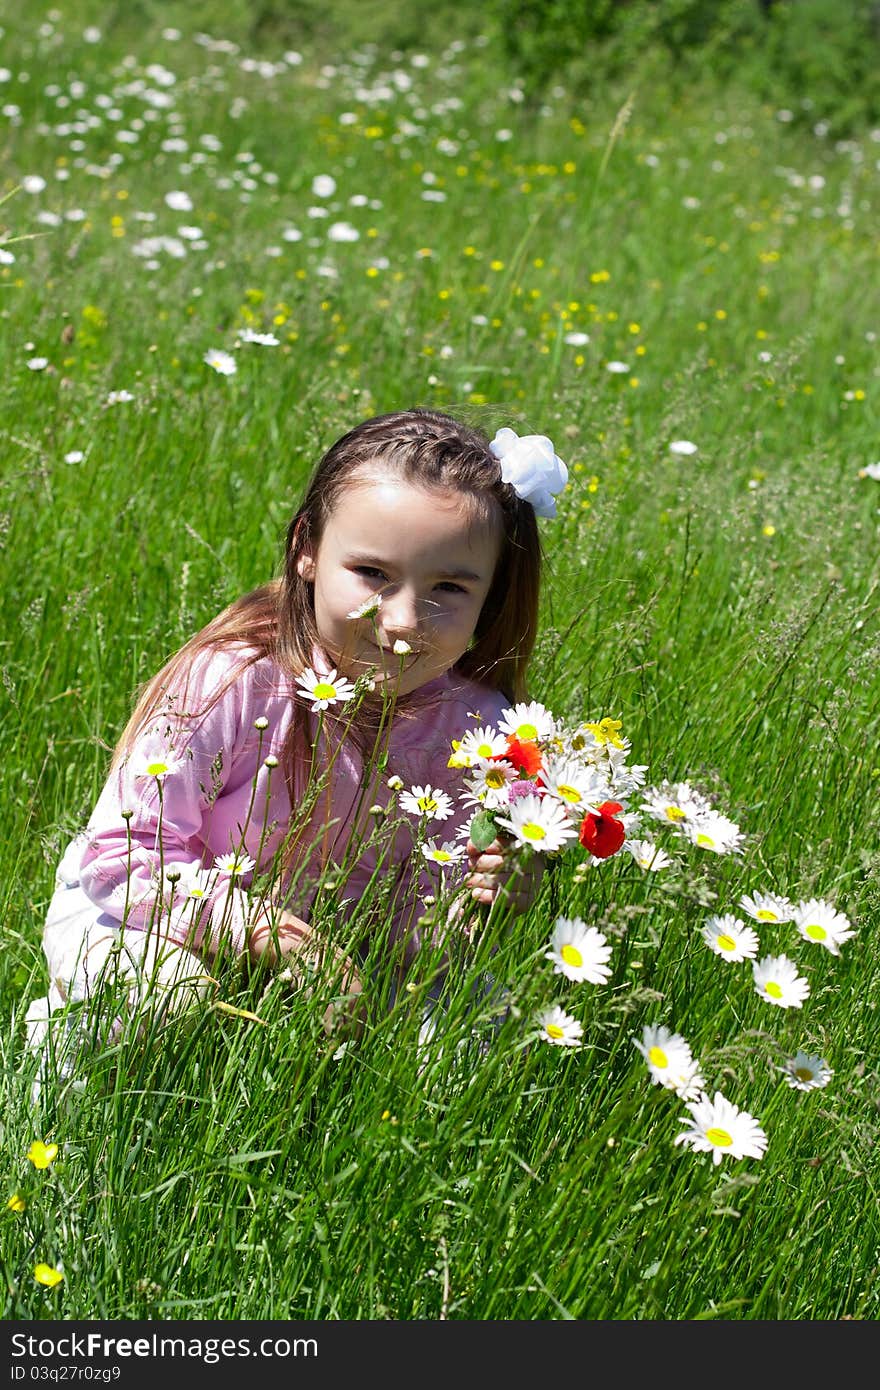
(677,284)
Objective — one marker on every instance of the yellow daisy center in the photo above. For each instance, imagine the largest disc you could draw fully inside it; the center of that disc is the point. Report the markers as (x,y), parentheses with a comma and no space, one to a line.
(484,750)
(707,840)
(726,942)
(427,803)
(324,690)
(567,792)
(571,955)
(526,731)
(442,856)
(815,931)
(156,769)
(719,1137)
(554,1031)
(495,779)
(803,1073)
(657,1057)
(674,813)
(766,914)
(533,831)
(773,989)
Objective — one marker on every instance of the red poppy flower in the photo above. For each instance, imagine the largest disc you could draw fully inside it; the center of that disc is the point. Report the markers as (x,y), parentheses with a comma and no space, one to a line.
(525,756)
(600,832)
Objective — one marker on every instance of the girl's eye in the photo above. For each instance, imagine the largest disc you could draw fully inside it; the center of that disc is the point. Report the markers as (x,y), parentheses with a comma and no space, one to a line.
(369,572)
(452,588)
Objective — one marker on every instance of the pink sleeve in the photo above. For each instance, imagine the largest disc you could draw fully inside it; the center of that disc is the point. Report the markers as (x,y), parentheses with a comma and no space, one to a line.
(127,859)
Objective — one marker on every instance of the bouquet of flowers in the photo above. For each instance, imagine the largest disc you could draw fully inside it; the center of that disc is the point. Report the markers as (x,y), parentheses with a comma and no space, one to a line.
(547,785)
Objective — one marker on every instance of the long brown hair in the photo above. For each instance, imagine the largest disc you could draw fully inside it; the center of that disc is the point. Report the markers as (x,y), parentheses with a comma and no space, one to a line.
(427,448)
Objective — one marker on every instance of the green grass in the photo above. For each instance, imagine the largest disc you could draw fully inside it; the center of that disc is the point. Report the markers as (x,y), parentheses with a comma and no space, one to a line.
(722,605)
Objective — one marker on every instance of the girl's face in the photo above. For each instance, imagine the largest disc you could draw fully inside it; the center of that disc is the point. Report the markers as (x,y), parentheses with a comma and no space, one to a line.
(429,560)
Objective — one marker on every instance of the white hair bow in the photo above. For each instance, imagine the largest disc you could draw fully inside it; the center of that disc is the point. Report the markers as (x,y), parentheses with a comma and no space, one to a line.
(532,467)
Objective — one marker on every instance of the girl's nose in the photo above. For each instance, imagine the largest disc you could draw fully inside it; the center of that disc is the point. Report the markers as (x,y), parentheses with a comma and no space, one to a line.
(400,612)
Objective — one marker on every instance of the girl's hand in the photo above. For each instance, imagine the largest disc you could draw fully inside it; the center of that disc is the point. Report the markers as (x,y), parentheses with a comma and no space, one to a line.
(289,941)
(497,872)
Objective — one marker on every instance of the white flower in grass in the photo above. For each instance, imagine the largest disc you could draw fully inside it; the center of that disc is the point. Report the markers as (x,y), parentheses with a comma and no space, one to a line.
(200,883)
(720,1128)
(776,980)
(324,690)
(156,760)
(323,185)
(804,1072)
(579,952)
(870,470)
(647,855)
(767,907)
(528,722)
(479,743)
(819,922)
(489,781)
(222,362)
(427,801)
(236,863)
(401,648)
(675,802)
(445,854)
(730,938)
(119,397)
(670,1061)
(178,201)
(617,368)
(538,821)
(247,335)
(559,1028)
(682,446)
(368,609)
(714,832)
(38,364)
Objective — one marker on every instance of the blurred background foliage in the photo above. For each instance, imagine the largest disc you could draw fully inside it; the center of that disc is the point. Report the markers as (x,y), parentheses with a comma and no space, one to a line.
(819,59)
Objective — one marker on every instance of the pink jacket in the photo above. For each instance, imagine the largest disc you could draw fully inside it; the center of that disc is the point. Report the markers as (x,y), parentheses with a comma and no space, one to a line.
(223,799)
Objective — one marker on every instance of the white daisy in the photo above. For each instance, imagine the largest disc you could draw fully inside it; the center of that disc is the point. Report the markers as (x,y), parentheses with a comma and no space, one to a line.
(675,802)
(730,938)
(767,907)
(222,362)
(528,722)
(155,760)
(777,981)
(324,690)
(870,470)
(235,863)
(617,368)
(714,832)
(579,952)
(682,446)
(199,883)
(540,822)
(722,1129)
(368,609)
(489,781)
(483,742)
(573,783)
(647,855)
(670,1061)
(819,922)
(401,648)
(559,1027)
(447,853)
(247,335)
(427,801)
(804,1072)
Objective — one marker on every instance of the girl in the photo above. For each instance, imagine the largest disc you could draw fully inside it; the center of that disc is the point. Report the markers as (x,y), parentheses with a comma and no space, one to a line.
(260,764)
